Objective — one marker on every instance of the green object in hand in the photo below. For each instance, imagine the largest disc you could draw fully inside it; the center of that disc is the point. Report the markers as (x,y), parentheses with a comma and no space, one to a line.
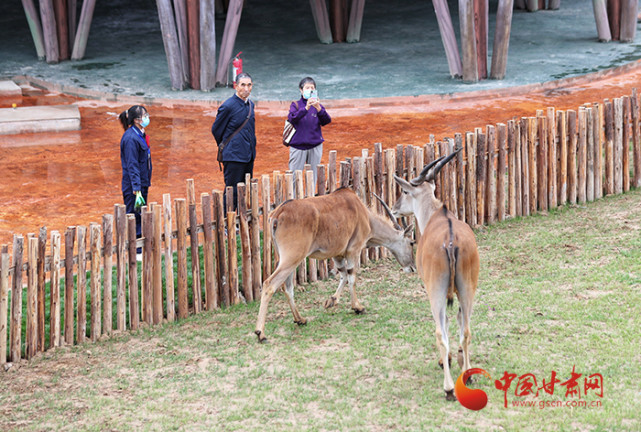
(140,201)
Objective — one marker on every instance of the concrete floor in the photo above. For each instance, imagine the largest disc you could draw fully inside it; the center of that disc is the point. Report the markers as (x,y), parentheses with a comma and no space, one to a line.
(400,53)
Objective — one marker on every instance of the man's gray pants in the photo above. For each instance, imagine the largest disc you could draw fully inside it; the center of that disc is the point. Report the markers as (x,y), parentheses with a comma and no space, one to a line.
(298,159)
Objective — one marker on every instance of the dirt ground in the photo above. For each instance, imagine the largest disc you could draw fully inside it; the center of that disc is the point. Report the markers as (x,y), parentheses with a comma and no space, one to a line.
(73,178)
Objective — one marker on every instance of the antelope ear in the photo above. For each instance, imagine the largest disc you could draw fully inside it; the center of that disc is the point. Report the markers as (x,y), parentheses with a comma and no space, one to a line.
(408,230)
(404,184)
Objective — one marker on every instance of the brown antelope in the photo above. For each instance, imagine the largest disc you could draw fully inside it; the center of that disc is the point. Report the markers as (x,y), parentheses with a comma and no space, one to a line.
(335,226)
(447,260)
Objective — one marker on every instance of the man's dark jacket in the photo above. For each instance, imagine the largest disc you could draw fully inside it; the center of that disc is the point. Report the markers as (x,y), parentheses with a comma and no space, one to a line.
(231,114)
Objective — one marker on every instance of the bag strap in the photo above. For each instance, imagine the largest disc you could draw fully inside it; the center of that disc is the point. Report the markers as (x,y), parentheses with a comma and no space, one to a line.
(229,138)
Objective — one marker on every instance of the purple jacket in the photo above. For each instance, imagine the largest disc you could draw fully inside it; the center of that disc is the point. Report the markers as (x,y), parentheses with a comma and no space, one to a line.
(308,125)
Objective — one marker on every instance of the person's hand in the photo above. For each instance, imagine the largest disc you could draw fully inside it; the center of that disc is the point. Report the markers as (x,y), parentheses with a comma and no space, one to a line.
(140,201)
(316,104)
(309,103)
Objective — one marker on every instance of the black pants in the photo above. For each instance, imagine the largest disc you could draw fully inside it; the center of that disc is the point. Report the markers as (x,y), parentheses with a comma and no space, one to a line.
(234,173)
(130,202)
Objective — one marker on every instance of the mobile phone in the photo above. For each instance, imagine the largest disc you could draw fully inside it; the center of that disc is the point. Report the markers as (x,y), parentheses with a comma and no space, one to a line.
(314,95)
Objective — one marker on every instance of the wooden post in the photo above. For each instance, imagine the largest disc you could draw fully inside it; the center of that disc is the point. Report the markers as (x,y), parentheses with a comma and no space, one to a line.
(460,175)
(470,177)
(181,249)
(62,28)
(35,28)
(491,174)
(81,312)
(523,166)
(193,30)
(299,193)
(601,18)
(331,171)
(42,245)
(207,45)
(502,166)
(121,267)
(501,38)
(72,15)
(355,21)
(156,250)
(54,303)
(255,241)
(194,249)
(533,161)
(590,163)
(481,29)
(449,38)
(532,5)
(107,229)
(15,343)
(232,256)
(245,245)
(134,305)
(552,158)
(169,258)
(625,153)
(52,51)
(80,43)
(581,157)
(338,19)
(309,192)
(170,41)
(31,343)
(234,12)
(321,21)
(481,176)
(614,18)
(94,282)
(511,169)
(267,232)
(146,297)
(468,41)
(70,236)
(562,171)
(322,190)
(180,9)
(572,162)
(618,146)
(609,148)
(4,301)
(542,163)
(628,20)
(636,139)
(219,238)
(597,124)
(211,290)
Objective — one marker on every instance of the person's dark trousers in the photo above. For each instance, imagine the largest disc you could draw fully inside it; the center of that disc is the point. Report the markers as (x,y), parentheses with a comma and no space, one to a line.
(234,173)
(130,202)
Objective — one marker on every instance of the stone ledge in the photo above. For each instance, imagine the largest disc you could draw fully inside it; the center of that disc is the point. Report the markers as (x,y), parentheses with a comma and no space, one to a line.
(52,118)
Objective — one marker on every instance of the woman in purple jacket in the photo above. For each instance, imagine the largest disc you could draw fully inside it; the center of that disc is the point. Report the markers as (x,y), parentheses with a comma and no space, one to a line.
(307,115)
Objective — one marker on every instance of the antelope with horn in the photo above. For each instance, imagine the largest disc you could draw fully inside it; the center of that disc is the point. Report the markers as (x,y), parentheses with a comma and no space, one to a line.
(447,261)
(335,226)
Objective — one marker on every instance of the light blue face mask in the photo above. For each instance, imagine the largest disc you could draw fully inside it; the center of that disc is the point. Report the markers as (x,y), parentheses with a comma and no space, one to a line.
(307,94)
(145,121)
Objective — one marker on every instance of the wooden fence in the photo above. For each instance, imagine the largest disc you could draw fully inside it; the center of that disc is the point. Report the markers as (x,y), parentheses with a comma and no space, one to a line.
(511,169)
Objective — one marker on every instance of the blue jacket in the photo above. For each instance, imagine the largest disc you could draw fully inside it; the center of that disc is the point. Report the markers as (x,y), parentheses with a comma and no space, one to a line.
(231,114)
(135,158)
(308,125)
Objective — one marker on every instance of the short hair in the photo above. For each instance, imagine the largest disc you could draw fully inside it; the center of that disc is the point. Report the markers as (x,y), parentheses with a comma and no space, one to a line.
(306,80)
(243,75)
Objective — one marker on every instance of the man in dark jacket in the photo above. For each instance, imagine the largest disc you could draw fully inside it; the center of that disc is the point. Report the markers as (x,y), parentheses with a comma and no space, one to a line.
(234,131)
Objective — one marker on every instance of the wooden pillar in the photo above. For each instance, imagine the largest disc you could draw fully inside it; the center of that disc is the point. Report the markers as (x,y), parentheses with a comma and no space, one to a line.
(338,19)
(449,38)
(169,258)
(181,249)
(72,18)
(207,45)
(81,312)
(4,302)
(80,43)
(60,9)
(193,30)
(134,305)
(321,20)
(121,267)
(501,39)
(31,342)
(42,245)
(170,41)
(107,229)
(468,41)
(209,258)
(481,29)
(95,280)
(34,26)
(614,18)
(355,21)
(601,18)
(180,9)
(70,236)
(229,39)
(636,139)
(628,20)
(49,31)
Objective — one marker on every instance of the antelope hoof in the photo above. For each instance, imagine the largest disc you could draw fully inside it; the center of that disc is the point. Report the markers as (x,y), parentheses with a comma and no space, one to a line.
(449,361)
(459,358)
(330,302)
(261,336)
(359,310)
(301,322)
(449,395)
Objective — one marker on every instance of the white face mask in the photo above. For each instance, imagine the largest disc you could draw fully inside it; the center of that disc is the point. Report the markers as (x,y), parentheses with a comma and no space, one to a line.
(307,93)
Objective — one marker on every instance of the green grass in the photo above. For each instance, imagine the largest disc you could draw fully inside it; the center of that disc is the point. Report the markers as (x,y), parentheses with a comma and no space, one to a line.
(556,291)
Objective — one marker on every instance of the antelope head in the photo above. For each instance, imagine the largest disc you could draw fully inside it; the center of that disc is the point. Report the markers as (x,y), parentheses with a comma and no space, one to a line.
(417,197)
(400,242)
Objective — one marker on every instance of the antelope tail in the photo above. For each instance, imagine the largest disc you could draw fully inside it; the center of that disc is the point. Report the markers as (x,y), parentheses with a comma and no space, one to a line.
(452,254)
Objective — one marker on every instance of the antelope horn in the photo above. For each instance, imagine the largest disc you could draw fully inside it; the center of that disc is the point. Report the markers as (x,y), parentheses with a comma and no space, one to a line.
(441,164)
(421,177)
(389,213)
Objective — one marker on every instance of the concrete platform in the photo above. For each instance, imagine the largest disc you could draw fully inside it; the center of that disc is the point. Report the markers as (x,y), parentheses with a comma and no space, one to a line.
(53,118)
(9,88)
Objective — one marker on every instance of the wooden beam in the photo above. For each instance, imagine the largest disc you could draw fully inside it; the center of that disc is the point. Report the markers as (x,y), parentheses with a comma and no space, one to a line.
(480,30)
(193,30)
(80,43)
(601,18)
(338,19)
(446,29)
(229,39)
(468,42)
(554,4)
(321,21)
(48,17)
(180,9)
(532,5)
(170,41)
(60,9)
(614,18)
(501,39)
(628,20)
(355,21)
(72,17)
(207,45)
(34,26)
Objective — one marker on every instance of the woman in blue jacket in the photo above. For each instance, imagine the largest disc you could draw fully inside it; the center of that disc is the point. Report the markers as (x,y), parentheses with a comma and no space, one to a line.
(135,158)
(307,115)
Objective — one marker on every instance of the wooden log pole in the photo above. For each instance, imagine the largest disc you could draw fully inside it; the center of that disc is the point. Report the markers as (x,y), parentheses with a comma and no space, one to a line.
(70,237)
(309,192)
(552,158)
(614,18)
(501,170)
(232,22)
(523,166)
(562,182)
(581,157)
(181,249)
(193,38)
(194,245)
(267,232)
(171,43)
(511,169)
(82,35)
(207,15)
(460,175)
(468,41)
(169,258)
(54,299)
(232,256)
(180,10)
(42,246)
(15,343)
(618,145)
(147,265)
(321,21)
(629,11)
(492,155)
(4,301)
(134,304)
(211,290)
(94,283)
(501,38)
(31,342)
(481,176)
(49,31)
(448,37)
(354,25)
(219,238)
(470,186)
(120,214)
(255,240)
(156,251)
(245,244)
(533,161)
(62,28)
(609,148)
(572,161)
(625,138)
(107,280)
(299,193)
(601,18)
(590,162)
(542,163)
(81,311)
(636,139)
(597,124)
(33,20)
